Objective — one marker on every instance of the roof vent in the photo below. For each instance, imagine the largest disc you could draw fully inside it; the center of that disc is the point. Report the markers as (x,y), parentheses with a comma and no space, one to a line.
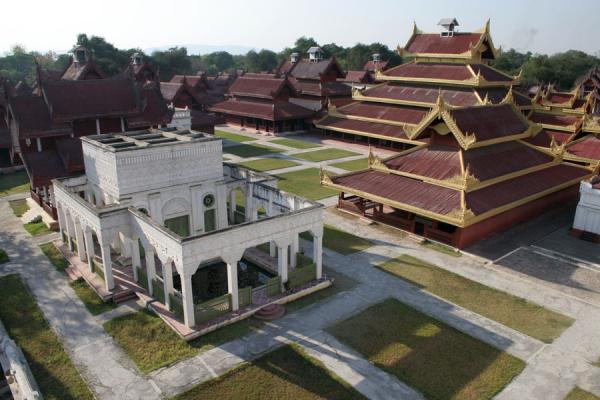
(315,54)
(80,55)
(294,57)
(376,58)
(448,24)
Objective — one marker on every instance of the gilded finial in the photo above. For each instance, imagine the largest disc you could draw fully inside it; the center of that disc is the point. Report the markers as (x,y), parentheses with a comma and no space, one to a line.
(509,98)
(371,158)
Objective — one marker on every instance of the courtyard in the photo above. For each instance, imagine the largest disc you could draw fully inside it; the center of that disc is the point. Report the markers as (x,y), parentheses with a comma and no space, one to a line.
(539,323)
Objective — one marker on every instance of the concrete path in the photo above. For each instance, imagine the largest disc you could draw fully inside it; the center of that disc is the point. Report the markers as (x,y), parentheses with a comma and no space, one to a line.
(108,371)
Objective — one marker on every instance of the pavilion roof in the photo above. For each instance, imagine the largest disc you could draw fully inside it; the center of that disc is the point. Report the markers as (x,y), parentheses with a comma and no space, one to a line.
(586,149)
(563,122)
(81,71)
(267,87)
(305,69)
(263,110)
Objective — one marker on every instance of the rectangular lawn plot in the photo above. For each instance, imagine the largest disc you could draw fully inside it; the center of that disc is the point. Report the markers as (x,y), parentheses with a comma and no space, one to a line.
(284,373)
(233,136)
(325,154)
(295,143)
(340,241)
(354,165)
(305,183)
(268,164)
(512,311)
(428,355)
(250,150)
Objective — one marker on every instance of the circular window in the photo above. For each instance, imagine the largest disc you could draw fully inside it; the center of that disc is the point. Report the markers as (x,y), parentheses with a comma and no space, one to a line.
(209,200)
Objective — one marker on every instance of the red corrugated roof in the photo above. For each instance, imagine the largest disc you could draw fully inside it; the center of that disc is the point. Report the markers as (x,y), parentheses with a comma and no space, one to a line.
(559,98)
(396,113)
(374,128)
(267,87)
(371,66)
(423,94)
(551,119)
(43,166)
(488,122)
(269,111)
(588,147)
(31,113)
(436,162)
(544,138)
(455,72)
(434,43)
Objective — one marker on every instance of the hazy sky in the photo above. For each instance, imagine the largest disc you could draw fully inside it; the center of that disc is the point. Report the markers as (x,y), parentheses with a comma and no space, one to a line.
(540,26)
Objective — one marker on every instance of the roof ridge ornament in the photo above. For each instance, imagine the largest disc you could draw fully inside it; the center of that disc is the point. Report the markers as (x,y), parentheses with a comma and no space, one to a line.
(324,176)
(509,98)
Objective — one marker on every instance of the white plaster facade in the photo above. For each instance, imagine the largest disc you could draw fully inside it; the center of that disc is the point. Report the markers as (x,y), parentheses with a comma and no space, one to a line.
(587,216)
(136,181)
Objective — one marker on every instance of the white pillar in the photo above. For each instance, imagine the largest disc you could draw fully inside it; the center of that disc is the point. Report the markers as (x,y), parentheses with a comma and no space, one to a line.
(61,221)
(282,263)
(188,300)
(80,243)
(249,209)
(150,267)
(68,227)
(107,265)
(272,249)
(135,257)
(232,202)
(232,284)
(295,247)
(122,124)
(97,126)
(89,247)
(318,254)
(168,282)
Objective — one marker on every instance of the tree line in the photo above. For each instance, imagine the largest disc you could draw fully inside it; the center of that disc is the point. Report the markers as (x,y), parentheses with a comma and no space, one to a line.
(562,69)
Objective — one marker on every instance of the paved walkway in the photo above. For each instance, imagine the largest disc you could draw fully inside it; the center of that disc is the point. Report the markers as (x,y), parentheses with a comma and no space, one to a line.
(104,366)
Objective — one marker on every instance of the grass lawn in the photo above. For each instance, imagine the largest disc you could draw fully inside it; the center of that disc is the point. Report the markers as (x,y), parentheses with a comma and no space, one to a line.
(3,257)
(509,310)
(151,344)
(19,207)
(428,355)
(233,136)
(92,302)
(580,394)
(56,257)
(17,182)
(37,228)
(250,150)
(442,248)
(339,241)
(285,373)
(325,154)
(51,366)
(305,183)
(267,164)
(354,165)
(295,143)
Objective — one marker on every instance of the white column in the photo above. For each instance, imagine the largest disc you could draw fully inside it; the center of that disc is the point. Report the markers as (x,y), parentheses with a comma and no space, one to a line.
(122,124)
(168,282)
(272,249)
(295,247)
(80,243)
(188,300)
(150,267)
(232,202)
(61,221)
(249,211)
(68,226)
(232,284)
(135,257)
(107,264)
(89,246)
(97,126)
(282,263)
(318,254)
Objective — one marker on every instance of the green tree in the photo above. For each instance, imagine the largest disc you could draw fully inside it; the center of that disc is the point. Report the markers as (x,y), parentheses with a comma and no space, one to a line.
(171,62)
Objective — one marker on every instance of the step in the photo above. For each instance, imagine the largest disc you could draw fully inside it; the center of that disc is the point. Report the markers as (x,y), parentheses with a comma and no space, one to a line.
(270,312)
(73,273)
(124,296)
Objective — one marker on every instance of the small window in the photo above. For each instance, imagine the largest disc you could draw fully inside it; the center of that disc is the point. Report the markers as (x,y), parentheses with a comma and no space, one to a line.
(209,201)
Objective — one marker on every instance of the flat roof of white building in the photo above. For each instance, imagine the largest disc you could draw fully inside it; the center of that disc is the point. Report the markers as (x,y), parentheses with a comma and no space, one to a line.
(144,139)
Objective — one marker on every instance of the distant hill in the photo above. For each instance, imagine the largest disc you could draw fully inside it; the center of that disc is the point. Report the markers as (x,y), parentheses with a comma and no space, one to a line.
(203,49)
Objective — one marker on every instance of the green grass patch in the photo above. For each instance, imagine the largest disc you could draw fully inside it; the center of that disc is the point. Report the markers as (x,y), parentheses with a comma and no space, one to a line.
(3,257)
(442,248)
(305,183)
(234,137)
(92,301)
(151,344)
(339,241)
(55,256)
(354,165)
(325,154)
(580,394)
(295,143)
(285,373)
(54,373)
(19,207)
(268,164)
(250,150)
(17,182)
(428,355)
(509,310)
(37,228)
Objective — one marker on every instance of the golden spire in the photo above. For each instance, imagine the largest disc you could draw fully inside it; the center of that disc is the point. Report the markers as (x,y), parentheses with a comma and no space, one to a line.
(371,157)
(509,98)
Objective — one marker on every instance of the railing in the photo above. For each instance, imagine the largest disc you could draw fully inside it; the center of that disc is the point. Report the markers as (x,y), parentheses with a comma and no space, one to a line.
(352,204)
(176,305)
(390,219)
(245,296)
(440,236)
(302,275)
(212,308)
(158,290)
(273,286)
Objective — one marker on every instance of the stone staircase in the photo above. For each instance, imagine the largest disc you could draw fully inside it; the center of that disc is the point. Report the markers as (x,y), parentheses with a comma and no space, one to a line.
(125,286)
(270,312)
